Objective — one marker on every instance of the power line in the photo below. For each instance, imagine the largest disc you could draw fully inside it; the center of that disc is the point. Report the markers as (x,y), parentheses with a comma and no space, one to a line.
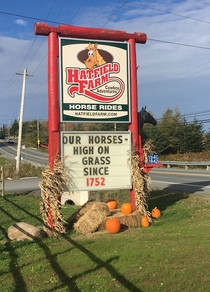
(36,39)
(77,10)
(172,13)
(134,3)
(178,44)
(42,42)
(115,13)
(150,39)
(28,17)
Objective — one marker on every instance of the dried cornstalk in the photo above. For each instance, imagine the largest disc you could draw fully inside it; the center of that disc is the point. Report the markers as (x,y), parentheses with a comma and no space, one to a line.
(52,186)
(141,180)
(141,183)
(148,150)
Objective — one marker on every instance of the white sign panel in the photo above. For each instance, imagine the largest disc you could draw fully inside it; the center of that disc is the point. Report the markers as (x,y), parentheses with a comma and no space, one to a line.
(98,160)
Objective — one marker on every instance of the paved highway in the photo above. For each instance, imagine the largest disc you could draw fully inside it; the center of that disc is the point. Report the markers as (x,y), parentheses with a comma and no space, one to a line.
(28,185)
(27,154)
(191,181)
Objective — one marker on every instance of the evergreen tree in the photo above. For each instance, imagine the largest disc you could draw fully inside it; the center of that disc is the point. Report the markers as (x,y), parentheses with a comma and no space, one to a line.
(154,133)
(194,134)
(171,127)
(207,141)
(174,135)
(14,128)
(3,132)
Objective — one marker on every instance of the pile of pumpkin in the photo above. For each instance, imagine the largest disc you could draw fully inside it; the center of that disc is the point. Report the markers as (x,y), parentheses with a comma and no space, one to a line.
(113,225)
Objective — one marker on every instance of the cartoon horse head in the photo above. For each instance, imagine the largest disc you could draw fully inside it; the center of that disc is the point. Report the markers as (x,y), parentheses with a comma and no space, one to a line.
(94,58)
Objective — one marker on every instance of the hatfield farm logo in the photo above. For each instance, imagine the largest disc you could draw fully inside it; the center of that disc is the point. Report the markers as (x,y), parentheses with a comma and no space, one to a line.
(97,74)
(95,83)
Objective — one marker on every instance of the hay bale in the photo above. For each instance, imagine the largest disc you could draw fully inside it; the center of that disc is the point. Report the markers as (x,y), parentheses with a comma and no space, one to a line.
(92,219)
(127,221)
(75,216)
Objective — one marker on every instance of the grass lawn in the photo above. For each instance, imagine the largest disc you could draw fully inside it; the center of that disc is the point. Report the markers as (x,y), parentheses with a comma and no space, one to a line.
(171,255)
(4,161)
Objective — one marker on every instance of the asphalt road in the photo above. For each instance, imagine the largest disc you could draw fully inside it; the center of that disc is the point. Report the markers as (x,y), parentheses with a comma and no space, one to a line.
(190,181)
(27,154)
(26,185)
(193,182)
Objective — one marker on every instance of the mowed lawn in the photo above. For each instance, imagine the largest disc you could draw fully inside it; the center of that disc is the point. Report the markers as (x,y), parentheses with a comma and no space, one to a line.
(171,255)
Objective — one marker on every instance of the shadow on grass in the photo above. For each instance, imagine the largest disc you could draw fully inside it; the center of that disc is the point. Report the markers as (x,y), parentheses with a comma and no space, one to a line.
(19,208)
(64,278)
(174,193)
(70,282)
(102,264)
(15,269)
(165,198)
(19,283)
(14,266)
(191,187)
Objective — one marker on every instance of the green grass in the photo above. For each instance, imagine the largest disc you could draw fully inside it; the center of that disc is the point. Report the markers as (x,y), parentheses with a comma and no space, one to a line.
(26,169)
(4,161)
(171,255)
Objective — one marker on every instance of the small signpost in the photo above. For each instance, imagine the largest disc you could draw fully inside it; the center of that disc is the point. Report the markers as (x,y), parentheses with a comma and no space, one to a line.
(2,180)
(98,160)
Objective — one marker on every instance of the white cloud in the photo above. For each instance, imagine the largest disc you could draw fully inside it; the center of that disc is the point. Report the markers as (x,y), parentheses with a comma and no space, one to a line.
(169,75)
(12,52)
(21,22)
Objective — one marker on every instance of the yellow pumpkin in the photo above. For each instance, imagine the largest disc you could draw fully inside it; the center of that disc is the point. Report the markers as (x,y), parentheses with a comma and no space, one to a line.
(144,221)
(126,208)
(156,213)
(113,225)
(112,204)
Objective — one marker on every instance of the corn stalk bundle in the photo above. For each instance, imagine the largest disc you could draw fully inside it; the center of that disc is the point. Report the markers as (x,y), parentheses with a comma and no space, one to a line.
(141,179)
(148,150)
(52,186)
(141,182)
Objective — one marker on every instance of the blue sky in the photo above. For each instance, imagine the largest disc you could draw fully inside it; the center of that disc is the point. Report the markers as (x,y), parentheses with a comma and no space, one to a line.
(174,63)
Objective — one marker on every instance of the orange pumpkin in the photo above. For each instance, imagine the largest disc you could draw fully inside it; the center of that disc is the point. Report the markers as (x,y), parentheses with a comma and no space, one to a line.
(113,225)
(112,204)
(156,213)
(126,208)
(144,221)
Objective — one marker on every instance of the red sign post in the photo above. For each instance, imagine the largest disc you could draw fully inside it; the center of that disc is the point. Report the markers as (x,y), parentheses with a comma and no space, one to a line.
(53,99)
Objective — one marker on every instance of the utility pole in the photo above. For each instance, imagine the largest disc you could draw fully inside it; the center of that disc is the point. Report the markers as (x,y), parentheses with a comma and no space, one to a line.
(21,118)
(38,140)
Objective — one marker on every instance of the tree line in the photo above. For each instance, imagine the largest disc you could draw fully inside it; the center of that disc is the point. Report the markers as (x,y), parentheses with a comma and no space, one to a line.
(172,134)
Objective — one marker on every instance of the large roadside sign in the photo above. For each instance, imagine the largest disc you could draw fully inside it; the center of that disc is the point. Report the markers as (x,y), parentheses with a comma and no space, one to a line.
(94,81)
(97,160)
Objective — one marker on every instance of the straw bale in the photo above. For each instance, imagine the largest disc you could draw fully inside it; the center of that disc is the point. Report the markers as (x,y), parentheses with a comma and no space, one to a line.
(127,221)
(91,220)
(86,207)
(75,216)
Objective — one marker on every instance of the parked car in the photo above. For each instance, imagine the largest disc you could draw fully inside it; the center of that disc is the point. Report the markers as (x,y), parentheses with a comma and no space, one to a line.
(10,140)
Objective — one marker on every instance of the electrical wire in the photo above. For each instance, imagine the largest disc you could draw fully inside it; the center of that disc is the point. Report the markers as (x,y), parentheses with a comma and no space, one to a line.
(168,12)
(179,44)
(115,13)
(150,39)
